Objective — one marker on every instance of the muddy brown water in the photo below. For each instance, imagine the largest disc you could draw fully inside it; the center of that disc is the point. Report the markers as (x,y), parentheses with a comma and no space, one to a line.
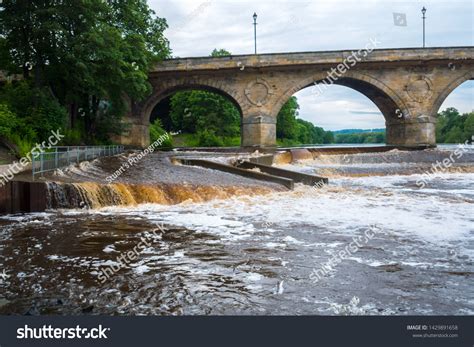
(249,251)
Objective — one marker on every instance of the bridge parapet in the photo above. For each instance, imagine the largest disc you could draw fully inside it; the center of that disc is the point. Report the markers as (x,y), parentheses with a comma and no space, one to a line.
(272,60)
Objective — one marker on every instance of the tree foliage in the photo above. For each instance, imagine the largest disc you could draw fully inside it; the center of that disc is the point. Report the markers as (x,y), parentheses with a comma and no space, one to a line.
(15,131)
(452,127)
(90,55)
(292,130)
(195,111)
(220,53)
(361,137)
(35,107)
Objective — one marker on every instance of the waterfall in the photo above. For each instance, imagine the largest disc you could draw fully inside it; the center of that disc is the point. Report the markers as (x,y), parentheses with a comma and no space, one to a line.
(95,195)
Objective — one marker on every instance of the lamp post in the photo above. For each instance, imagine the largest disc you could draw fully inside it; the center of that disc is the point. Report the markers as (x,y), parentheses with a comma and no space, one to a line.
(423,10)
(255,31)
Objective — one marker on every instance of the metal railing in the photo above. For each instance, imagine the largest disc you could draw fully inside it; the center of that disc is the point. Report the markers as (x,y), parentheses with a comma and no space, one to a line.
(58,157)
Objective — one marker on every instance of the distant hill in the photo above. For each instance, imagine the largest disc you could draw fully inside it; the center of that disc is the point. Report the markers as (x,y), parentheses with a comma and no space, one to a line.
(358,131)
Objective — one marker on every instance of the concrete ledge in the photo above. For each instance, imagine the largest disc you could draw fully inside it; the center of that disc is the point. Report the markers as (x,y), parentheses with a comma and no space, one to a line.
(295,176)
(374,149)
(266,159)
(22,197)
(289,183)
(350,150)
(236,150)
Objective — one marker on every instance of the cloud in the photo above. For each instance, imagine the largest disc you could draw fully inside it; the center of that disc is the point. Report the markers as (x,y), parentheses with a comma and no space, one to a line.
(365,112)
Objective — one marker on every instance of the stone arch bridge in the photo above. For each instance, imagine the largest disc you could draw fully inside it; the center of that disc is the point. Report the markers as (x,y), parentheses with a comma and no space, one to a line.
(407,85)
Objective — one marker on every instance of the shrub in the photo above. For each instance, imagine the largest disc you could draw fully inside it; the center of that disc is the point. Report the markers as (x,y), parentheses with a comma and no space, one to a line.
(24,145)
(208,138)
(8,121)
(156,130)
(37,108)
(16,131)
(72,137)
(231,141)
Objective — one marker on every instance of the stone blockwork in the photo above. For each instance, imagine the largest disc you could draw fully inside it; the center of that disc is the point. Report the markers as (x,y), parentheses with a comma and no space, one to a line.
(407,85)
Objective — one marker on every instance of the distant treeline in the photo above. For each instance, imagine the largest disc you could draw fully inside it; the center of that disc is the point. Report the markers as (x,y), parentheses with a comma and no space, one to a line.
(295,131)
(451,127)
(367,137)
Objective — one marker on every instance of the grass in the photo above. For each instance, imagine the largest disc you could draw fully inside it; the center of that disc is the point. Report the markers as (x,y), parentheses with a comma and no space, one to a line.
(192,140)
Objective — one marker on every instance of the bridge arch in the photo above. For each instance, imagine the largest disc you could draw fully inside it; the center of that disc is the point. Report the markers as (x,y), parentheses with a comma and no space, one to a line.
(143,111)
(163,91)
(449,89)
(386,99)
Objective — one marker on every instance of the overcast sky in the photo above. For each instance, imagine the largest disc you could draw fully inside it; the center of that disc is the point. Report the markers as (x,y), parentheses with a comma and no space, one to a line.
(197,27)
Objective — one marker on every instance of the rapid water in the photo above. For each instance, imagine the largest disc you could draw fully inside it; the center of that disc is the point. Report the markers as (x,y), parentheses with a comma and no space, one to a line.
(258,253)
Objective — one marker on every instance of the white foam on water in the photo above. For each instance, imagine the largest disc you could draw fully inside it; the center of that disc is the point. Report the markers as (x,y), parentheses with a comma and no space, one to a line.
(275,245)
(109,249)
(344,207)
(290,239)
(253,277)
(141,269)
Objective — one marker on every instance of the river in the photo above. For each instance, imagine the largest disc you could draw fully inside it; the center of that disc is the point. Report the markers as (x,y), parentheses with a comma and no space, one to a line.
(408,250)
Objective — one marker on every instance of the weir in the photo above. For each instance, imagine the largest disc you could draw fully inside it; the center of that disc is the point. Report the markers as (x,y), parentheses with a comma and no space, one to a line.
(288,183)
(17,197)
(74,192)
(268,173)
(296,177)
(96,195)
(27,197)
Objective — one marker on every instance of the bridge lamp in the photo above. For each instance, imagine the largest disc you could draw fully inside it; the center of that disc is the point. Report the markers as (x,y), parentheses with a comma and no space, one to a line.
(423,10)
(255,30)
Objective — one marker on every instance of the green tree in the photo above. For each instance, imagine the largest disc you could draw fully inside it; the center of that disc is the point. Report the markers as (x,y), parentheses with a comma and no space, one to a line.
(367,137)
(92,55)
(469,127)
(220,53)
(35,107)
(454,135)
(328,137)
(293,131)
(15,132)
(195,111)
(452,127)
(287,127)
(208,138)
(440,129)
(8,121)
